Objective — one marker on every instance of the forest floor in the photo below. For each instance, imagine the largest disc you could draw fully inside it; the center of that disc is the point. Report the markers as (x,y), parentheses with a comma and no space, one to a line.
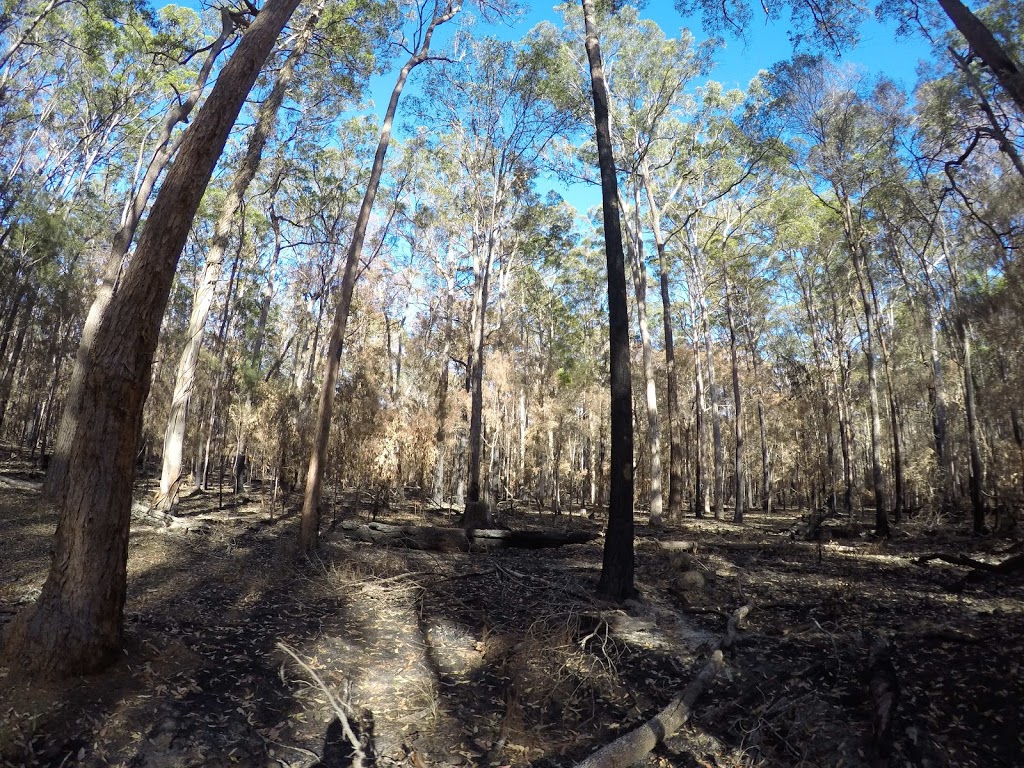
(506,659)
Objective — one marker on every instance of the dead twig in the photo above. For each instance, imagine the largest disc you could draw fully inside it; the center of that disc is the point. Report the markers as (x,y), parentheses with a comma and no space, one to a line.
(359,756)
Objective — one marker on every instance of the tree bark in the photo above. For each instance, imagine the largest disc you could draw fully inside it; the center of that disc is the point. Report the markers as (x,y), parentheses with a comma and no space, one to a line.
(309,525)
(618,560)
(675,470)
(75,626)
(985,46)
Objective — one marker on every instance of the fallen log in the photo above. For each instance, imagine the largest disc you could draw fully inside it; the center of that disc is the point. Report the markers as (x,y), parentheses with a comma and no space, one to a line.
(20,485)
(635,745)
(1009,565)
(426,537)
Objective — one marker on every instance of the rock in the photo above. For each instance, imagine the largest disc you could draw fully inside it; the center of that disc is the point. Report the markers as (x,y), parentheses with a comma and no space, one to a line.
(690,581)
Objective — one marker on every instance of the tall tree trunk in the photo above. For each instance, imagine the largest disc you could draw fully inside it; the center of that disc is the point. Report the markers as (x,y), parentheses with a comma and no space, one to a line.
(938,404)
(973,437)
(675,471)
(737,399)
(75,626)
(618,561)
(899,483)
(163,151)
(634,240)
(309,524)
(441,414)
(870,334)
(701,501)
(718,492)
(185,375)
(477,513)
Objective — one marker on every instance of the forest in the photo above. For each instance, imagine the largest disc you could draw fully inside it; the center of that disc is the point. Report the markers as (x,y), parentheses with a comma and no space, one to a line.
(336,429)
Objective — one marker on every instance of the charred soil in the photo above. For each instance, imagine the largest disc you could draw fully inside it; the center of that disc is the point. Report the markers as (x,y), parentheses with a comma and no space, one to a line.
(505,658)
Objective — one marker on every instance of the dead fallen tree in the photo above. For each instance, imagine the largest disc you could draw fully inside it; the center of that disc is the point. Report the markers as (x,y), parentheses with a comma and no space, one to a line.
(634,746)
(426,537)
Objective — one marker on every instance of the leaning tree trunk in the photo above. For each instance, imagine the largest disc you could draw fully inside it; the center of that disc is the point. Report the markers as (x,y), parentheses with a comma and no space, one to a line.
(164,149)
(309,524)
(185,375)
(987,48)
(75,626)
(618,563)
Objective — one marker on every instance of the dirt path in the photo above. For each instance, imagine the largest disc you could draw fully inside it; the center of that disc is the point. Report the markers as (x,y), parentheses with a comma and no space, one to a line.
(506,659)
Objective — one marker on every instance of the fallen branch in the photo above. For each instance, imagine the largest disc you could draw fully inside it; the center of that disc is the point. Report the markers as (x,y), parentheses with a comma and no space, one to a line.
(1011,564)
(358,754)
(21,485)
(635,745)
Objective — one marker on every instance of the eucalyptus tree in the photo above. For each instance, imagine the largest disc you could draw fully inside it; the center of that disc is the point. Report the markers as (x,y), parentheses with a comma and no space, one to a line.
(350,30)
(427,16)
(76,624)
(496,125)
(847,164)
(648,79)
(141,186)
(617,580)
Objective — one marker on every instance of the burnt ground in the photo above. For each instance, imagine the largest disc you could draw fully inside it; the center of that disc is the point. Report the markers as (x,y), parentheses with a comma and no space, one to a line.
(506,659)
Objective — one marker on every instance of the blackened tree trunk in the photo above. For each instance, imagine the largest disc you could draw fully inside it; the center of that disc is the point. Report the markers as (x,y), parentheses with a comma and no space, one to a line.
(618,563)
(76,624)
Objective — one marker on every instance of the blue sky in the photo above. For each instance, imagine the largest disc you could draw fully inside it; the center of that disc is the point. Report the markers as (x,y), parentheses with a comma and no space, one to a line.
(737,63)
